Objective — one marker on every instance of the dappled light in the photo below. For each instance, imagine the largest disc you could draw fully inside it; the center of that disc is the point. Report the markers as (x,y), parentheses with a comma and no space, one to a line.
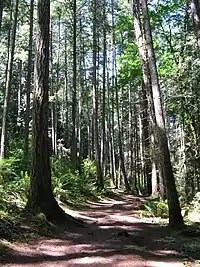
(114,240)
(91,261)
(99,133)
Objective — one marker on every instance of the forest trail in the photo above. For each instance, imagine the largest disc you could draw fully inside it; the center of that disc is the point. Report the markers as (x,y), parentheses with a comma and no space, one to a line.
(114,236)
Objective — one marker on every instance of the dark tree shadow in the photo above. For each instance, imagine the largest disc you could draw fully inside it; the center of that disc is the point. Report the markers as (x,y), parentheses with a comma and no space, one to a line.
(116,238)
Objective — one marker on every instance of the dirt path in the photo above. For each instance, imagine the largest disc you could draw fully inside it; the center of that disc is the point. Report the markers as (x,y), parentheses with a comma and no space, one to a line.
(115,236)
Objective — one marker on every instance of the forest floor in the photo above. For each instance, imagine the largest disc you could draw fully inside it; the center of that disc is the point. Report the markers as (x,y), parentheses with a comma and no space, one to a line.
(114,235)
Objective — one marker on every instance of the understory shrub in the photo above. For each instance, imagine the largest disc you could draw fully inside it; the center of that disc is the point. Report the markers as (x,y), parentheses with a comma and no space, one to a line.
(67,183)
(70,185)
(14,187)
(154,208)
(12,179)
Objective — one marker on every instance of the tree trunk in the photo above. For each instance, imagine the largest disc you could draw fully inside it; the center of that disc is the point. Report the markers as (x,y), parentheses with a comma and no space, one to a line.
(1,13)
(74,100)
(146,90)
(195,8)
(41,197)
(175,217)
(121,153)
(57,104)
(100,183)
(146,140)
(28,83)
(3,152)
(66,93)
(112,124)
(103,150)
(131,136)
(52,94)
(19,95)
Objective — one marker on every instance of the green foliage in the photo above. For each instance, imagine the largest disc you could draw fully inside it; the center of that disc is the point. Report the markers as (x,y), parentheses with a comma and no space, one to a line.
(154,208)
(124,24)
(69,185)
(89,169)
(21,184)
(13,191)
(12,167)
(7,171)
(129,63)
(11,180)
(11,206)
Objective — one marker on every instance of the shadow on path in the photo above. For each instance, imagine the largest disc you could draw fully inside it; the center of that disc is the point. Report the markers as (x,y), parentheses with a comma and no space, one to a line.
(114,236)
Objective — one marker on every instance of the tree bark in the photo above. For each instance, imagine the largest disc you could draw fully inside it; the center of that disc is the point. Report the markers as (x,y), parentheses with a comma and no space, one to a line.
(1,13)
(28,83)
(74,93)
(146,90)
(112,97)
(57,104)
(175,217)
(41,197)
(195,8)
(66,92)
(19,95)
(146,140)
(121,152)
(103,150)
(100,183)
(3,152)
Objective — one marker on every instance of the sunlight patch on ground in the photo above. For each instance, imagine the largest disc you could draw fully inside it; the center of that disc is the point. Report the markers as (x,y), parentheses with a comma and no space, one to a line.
(50,248)
(128,261)
(90,261)
(166,252)
(110,227)
(154,220)
(165,264)
(25,250)
(77,214)
(112,202)
(122,218)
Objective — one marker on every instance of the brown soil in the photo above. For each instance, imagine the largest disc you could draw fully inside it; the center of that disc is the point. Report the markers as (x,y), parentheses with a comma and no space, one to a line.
(114,236)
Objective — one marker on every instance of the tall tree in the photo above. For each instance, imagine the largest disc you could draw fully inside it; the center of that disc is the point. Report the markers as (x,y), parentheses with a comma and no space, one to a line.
(4,130)
(195,7)
(146,88)
(95,101)
(175,217)
(103,149)
(28,82)
(111,96)
(41,197)
(121,152)
(1,13)
(146,139)
(74,93)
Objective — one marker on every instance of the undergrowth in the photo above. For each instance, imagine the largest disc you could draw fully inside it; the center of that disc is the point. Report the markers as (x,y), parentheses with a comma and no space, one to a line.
(187,239)
(154,208)
(68,186)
